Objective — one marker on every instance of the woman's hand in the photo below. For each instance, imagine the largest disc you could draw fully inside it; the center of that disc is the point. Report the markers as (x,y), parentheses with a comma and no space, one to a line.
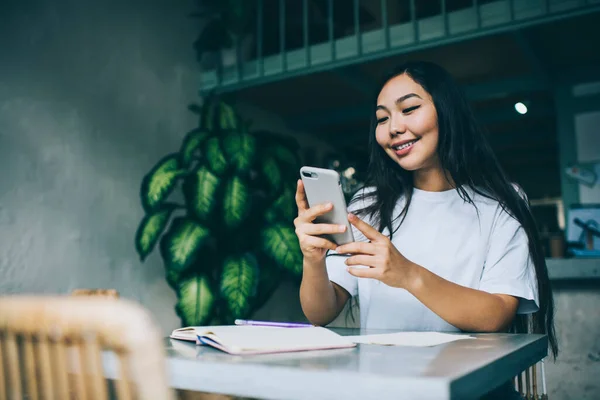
(385,262)
(313,248)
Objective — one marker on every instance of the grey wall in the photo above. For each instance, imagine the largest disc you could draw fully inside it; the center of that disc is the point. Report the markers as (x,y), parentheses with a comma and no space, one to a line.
(91,95)
(576,372)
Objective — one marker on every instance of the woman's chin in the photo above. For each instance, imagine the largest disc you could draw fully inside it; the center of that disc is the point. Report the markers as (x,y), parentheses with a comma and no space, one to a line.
(413,161)
(409,163)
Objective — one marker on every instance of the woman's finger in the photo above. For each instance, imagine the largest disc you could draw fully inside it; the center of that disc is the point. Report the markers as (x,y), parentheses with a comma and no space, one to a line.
(357,248)
(370,233)
(301,201)
(372,273)
(367,261)
(323,229)
(320,209)
(317,242)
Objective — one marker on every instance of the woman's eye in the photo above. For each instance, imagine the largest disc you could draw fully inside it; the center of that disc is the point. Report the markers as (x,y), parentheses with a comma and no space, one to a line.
(381,120)
(409,109)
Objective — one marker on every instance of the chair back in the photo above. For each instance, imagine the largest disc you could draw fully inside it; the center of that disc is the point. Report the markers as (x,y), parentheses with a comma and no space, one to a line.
(53,347)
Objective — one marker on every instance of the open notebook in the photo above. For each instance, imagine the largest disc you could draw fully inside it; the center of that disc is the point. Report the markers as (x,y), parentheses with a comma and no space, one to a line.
(234,339)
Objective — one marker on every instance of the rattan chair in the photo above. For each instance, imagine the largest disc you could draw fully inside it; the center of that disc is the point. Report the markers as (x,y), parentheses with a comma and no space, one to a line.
(180,394)
(51,348)
(527,382)
(531,383)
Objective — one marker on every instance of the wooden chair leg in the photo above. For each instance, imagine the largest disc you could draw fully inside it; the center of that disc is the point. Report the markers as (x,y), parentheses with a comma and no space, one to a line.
(544,392)
(2,380)
(14,367)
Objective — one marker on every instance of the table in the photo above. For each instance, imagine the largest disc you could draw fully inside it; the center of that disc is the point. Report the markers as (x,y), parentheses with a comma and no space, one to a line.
(460,369)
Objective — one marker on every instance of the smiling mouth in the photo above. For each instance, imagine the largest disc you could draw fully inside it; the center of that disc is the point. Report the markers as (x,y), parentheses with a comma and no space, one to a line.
(405,145)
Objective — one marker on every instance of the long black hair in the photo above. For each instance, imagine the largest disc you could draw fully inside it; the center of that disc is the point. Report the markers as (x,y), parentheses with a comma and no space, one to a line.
(466,156)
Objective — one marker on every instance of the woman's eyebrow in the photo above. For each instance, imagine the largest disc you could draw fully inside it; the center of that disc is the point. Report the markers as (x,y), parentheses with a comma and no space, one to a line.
(407,96)
(399,100)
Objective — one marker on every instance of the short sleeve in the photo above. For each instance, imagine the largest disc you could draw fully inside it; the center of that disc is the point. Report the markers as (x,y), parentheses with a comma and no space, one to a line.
(508,267)
(336,268)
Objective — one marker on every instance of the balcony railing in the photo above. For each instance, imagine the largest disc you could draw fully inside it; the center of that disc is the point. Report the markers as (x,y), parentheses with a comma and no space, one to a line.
(253,64)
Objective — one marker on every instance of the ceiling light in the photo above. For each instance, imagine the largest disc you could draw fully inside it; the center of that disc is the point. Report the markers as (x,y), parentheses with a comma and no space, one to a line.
(521,108)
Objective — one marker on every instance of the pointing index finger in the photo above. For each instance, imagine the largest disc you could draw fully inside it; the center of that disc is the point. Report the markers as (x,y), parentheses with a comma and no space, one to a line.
(370,233)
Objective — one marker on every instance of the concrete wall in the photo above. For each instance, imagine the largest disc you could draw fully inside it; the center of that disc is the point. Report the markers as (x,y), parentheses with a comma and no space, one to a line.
(575,373)
(92,94)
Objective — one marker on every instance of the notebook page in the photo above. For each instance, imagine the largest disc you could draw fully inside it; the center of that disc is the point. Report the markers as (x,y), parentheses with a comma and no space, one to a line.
(190,332)
(276,338)
(415,339)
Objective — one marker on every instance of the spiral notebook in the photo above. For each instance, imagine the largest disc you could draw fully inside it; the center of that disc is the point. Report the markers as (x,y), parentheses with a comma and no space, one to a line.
(241,340)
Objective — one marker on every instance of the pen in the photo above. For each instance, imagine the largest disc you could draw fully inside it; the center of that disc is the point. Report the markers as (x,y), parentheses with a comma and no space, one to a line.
(269,323)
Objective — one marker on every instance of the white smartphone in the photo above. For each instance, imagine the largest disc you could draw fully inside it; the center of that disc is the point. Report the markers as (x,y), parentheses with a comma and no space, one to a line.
(324,186)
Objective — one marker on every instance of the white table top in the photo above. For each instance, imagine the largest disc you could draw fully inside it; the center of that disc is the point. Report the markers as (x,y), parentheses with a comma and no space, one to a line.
(461,369)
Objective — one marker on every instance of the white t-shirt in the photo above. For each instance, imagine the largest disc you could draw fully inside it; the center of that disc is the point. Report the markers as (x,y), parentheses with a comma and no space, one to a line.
(483,248)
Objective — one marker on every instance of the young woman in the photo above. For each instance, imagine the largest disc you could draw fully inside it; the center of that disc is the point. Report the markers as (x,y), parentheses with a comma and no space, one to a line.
(444,241)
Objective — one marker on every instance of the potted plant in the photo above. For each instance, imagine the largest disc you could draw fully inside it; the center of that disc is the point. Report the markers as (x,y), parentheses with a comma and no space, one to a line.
(228,28)
(221,211)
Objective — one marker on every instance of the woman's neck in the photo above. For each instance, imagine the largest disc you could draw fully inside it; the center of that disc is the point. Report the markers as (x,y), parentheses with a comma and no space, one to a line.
(433,180)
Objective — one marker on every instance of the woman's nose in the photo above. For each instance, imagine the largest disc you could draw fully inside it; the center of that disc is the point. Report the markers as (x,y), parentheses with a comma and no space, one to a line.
(397,127)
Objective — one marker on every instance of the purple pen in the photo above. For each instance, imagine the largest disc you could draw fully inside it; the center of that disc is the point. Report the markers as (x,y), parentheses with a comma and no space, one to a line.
(270,323)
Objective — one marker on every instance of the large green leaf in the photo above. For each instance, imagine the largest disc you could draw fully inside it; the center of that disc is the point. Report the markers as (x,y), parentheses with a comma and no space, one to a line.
(160,182)
(283,154)
(214,156)
(239,281)
(240,149)
(200,191)
(150,229)
(227,117)
(283,147)
(172,278)
(280,243)
(191,143)
(236,202)
(181,244)
(272,173)
(195,301)
(287,160)
(283,208)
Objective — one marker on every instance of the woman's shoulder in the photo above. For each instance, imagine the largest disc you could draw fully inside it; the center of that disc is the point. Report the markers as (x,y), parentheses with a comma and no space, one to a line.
(496,209)
(484,197)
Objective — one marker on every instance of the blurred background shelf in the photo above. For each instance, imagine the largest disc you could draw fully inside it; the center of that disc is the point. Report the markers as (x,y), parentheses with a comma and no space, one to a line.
(573,268)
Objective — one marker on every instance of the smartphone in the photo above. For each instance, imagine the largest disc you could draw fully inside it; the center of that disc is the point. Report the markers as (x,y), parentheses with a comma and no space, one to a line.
(325,186)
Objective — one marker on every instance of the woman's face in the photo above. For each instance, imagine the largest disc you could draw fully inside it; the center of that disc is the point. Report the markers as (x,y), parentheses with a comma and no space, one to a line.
(407,127)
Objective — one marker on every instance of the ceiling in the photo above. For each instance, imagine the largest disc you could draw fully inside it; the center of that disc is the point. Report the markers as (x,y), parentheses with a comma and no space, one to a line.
(496,70)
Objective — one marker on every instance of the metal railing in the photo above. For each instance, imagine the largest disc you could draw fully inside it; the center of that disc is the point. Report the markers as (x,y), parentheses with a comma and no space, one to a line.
(363,45)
